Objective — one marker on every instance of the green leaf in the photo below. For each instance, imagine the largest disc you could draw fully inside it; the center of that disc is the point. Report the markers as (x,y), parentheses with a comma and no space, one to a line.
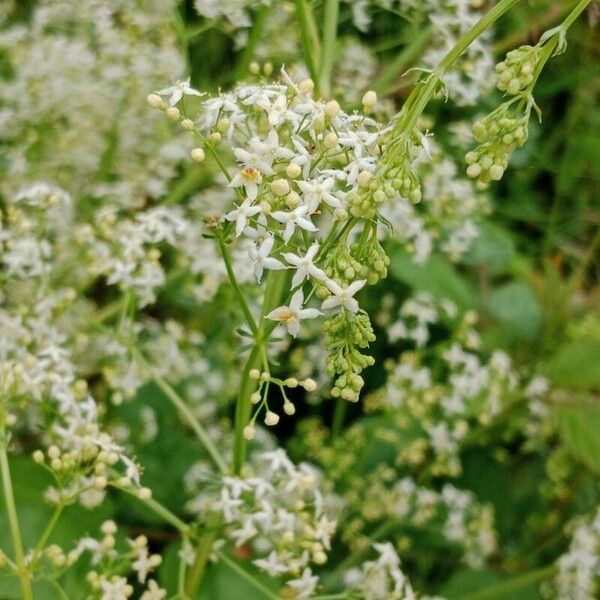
(516,307)
(576,364)
(579,429)
(494,248)
(437,276)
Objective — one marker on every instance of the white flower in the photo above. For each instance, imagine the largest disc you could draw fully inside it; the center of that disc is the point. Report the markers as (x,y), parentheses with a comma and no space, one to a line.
(304,265)
(305,585)
(261,259)
(241,215)
(142,565)
(153,592)
(343,296)
(115,589)
(292,315)
(272,564)
(248,177)
(293,219)
(315,193)
(178,90)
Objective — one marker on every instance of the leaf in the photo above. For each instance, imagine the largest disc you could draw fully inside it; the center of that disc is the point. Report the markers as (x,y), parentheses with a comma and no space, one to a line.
(576,364)
(516,307)
(437,276)
(494,248)
(579,429)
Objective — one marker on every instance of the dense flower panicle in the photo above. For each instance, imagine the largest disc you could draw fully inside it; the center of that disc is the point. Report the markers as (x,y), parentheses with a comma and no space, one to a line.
(578,569)
(278,509)
(382,578)
(517,70)
(71,108)
(112,562)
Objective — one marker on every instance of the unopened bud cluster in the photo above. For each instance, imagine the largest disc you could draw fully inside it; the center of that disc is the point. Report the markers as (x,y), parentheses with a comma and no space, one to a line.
(346,333)
(516,71)
(499,134)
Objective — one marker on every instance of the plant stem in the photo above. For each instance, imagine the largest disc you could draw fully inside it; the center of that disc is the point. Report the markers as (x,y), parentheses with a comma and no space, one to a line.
(382,84)
(185,186)
(332,9)
(581,6)
(48,531)
(196,574)
(13,521)
(311,46)
(506,589)
(183,408)
(424,92)
(243,408)
(160,510)
(236,286)
(245,575)
(241,69)
(338,417)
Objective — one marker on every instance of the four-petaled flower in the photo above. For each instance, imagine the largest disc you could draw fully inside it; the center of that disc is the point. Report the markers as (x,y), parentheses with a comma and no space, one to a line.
(248,177)
(304,265)
(178,90)
(241,215)
(293,219)
(261,258)
(343,296)
(317,192)
(294,313)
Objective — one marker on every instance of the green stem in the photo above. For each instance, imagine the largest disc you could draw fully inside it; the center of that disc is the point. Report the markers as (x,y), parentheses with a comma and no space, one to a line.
(245,575)
(581,6)
(395,68)
(196,574)
(13,521)
(241,69)
(338,417)
(243,408)
(311,46)
(506,589)
(424,92)
(236,286)
(332,9)
(276,282)
(160,510)
(183,408)
(48,531)
(185,186)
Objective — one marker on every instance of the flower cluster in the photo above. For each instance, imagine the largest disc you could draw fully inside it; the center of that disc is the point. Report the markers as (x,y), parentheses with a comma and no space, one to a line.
(381,578)
(470,391)
(578,570)
(112,562)
(278,510)
(72,79)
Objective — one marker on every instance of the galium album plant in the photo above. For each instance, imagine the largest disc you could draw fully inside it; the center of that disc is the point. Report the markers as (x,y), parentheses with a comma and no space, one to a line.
(238,356)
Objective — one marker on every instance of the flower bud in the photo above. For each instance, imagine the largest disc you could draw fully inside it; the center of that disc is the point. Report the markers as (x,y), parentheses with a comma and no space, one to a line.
(293,170)
(307,86)
(280,187)
(173,113)
(155,101)
(198,154)
(187,125)
(271,418)
(332,108)
(369,100)
(249,432)
(331,140)
(310,385)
